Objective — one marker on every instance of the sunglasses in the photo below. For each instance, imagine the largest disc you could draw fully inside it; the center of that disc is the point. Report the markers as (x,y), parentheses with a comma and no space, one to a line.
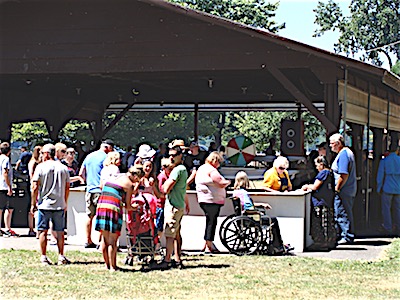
(63,151)
(282,168)
(71,153)
(175,154)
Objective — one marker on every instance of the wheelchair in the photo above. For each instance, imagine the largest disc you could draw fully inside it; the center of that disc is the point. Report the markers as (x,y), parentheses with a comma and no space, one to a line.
(247,232)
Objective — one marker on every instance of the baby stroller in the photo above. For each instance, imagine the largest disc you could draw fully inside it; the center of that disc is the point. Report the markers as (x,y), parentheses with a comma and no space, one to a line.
(140,230)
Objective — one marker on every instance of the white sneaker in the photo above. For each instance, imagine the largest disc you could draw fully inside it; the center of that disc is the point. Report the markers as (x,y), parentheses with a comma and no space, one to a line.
(62,260)
(46,261)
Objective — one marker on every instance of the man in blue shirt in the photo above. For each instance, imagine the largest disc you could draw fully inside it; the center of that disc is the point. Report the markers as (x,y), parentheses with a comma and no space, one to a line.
(90,172)
(388,184)
(344,170)
(24,158)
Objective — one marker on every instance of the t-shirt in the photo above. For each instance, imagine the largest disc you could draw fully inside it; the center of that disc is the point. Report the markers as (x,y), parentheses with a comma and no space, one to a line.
(245,200)
(93,164)
(73,170)
(344,163)
(177,194)
(207,190)
(25,157)
(5,165)
(195,161)
(275,181)
(53,178)
(326,192)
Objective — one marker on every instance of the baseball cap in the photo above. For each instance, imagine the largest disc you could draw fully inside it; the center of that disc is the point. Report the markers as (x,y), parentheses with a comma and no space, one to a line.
(180,143)
(109,142)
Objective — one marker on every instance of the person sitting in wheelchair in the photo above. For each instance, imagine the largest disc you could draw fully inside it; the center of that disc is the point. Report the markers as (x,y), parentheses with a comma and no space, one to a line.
(241,185)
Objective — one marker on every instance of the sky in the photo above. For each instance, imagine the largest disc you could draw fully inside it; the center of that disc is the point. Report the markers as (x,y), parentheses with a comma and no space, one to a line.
(299,18)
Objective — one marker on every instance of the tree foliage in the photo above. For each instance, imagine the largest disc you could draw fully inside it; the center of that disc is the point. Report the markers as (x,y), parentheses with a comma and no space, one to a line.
(373,24)
(30,132)
(260,126)
(256,13)
(155,127)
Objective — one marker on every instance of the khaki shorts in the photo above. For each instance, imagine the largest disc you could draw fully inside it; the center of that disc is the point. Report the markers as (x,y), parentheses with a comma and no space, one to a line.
(91,203)
(172,220)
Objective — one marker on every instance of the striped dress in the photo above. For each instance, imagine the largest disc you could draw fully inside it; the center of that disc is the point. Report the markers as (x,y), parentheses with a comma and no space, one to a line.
(109,208)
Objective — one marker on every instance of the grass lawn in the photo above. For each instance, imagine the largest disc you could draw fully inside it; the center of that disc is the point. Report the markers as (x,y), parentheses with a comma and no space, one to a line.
(205,277)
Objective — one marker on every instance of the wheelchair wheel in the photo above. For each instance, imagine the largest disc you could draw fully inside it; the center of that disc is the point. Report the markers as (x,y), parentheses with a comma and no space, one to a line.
(242,235)
(222,229)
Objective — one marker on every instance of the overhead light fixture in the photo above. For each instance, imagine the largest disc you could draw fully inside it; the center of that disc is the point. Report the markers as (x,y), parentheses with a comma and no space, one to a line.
(135,92)
(210,83)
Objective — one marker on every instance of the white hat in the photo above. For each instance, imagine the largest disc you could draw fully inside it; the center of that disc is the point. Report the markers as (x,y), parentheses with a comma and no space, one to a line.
(145,151)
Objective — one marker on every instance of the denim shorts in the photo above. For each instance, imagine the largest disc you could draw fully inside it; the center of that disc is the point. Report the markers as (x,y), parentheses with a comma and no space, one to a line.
(159,219)
(56,217)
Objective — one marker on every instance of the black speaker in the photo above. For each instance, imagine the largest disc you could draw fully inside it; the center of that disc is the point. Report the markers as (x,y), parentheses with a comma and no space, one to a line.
(292,137)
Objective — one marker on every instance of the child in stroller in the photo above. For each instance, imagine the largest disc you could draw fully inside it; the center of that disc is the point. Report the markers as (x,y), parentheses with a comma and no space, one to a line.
(141,229)
(240,191)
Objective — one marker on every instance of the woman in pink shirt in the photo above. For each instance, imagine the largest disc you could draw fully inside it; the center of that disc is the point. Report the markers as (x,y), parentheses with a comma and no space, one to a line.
(210,188)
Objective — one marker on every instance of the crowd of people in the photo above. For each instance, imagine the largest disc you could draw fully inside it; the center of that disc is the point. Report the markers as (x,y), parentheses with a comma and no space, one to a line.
(112,179)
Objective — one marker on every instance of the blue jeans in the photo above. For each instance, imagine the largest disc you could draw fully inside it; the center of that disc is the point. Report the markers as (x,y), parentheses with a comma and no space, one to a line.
(390,201)
(343,206)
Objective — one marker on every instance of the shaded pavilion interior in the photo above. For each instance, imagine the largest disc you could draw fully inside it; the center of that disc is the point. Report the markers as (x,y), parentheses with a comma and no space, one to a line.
(72,59)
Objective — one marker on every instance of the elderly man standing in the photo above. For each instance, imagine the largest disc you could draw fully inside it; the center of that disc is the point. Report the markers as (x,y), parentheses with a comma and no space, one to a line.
(50,182)
(388,184)
(344,169)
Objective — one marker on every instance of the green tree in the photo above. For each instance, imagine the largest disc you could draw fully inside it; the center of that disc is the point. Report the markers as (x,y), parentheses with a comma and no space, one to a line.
(31,132)
(372,28)
(256,13)
(396,68)
(260,126)
(36,133)
(156,127)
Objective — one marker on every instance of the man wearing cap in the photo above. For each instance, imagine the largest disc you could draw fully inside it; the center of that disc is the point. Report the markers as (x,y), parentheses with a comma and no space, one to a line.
(90,172)
(193,160)
(175,190)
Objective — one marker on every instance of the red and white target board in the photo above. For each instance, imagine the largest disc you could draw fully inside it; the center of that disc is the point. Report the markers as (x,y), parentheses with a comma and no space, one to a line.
(240,151)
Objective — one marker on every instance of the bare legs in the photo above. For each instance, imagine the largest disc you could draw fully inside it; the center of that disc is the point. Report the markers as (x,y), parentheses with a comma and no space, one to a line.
(7,218)
(89,230)
(43,241)
(30,222)
(173,245)
(109,249)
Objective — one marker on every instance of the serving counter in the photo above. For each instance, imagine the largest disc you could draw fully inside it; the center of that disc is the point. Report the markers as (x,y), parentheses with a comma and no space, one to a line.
(292,210)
